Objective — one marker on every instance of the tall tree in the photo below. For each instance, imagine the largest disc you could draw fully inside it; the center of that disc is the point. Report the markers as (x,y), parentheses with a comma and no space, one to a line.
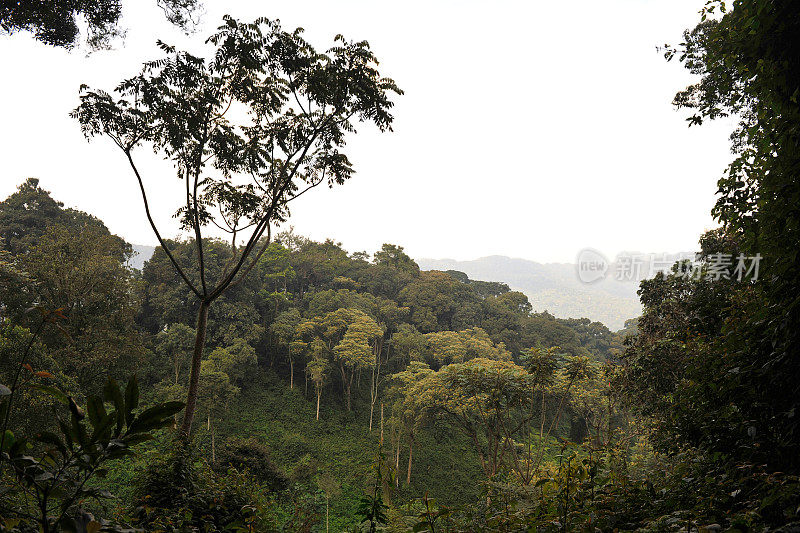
(748,63)
(240,174)
(27,213)
(218,391)
(283,330)
(406,410)
(356,350)
(488,400)
(81,270)
(176,343)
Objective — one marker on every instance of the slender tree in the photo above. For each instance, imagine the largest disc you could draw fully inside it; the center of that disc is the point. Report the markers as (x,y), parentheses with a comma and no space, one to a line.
(283,330)
(249,130)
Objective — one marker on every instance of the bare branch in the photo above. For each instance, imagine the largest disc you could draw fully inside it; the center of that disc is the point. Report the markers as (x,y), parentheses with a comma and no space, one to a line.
(155,228)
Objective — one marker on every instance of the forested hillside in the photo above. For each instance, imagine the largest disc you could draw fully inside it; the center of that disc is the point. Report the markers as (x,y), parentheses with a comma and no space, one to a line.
(555,287)
(320,359)
(247,378)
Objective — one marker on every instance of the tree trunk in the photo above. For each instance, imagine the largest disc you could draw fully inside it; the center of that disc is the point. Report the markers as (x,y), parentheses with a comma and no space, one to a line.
(381,422)
(319,393)
(291,373)
(347,383)
(194,379)
(371,410)
(397,462)
(410,450)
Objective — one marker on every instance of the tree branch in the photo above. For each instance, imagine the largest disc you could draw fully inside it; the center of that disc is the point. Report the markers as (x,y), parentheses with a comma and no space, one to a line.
(155,228)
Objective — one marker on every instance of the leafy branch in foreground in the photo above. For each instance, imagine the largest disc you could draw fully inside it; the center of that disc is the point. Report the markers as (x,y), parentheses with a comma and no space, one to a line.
(48,478)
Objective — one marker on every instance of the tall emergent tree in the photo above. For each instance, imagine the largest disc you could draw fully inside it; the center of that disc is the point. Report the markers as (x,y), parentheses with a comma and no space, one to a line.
(249,130)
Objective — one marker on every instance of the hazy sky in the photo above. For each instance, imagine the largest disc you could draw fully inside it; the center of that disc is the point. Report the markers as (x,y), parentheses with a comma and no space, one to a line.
(531,129)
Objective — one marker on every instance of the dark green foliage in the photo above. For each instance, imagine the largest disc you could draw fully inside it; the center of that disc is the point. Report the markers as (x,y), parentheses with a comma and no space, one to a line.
(178,493)
(63,259)
(47,474)
(251,455)
(484,288)
(27,213)
(299,280)
(56,23)
(371,510)
(749,67)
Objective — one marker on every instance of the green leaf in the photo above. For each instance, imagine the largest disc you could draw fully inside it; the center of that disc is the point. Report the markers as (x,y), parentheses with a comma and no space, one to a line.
(67,431)
(52,391)
(46,437)
(79,432)
(102,430)
(77,412)
(8,441)
(131,399)
(97,411)
(155,417)
(113,394)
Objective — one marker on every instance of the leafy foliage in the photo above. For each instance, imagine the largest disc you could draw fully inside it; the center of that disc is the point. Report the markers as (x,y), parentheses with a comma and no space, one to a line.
(50,490)
(57,23)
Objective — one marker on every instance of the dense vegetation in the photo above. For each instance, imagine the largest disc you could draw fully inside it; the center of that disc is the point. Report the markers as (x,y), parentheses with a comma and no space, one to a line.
(346,348)
(329,390)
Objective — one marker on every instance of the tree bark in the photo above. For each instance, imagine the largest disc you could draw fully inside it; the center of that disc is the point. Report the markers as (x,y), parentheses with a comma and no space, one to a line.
(194,379)
(346,384)
(319,393)
(410,450)
(291,373)
(397,462)
(371,411)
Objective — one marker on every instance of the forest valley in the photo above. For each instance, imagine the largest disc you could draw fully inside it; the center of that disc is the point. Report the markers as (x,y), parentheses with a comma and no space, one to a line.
(284,384)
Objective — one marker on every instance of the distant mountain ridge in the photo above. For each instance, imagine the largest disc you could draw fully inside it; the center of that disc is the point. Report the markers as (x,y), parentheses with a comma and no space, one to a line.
(553,287)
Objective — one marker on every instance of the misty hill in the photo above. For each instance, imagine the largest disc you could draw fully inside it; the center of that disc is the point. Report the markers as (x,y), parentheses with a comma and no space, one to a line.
(553,287)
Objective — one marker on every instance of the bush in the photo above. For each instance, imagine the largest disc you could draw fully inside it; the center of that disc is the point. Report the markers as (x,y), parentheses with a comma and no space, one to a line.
(180,494)
(250,455)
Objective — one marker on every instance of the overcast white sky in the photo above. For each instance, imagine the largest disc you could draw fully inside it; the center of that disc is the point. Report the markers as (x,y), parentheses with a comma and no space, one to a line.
(530,129)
